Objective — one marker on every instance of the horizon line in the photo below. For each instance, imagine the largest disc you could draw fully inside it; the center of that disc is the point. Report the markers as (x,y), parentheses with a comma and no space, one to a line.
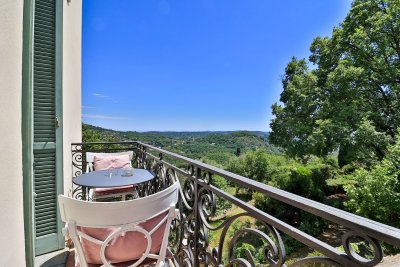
(177,131)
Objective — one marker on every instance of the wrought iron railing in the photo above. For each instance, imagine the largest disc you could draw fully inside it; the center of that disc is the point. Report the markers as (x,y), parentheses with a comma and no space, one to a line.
(206,236)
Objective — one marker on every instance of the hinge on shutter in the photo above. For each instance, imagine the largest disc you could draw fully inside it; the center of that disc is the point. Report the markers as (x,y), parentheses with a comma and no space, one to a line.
(56,123)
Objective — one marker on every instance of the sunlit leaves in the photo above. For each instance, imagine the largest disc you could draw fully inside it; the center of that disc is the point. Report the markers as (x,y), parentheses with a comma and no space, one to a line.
(350,99)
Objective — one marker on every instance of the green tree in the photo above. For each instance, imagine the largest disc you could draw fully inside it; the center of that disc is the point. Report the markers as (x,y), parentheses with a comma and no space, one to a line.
(375,193)
(350,99)
(257,165)
(89,135)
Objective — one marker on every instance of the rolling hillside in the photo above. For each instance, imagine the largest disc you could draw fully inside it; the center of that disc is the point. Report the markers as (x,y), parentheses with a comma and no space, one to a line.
(215,147)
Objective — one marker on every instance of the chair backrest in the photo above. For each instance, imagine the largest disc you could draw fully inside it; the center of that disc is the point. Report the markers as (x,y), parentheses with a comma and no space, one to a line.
(90,157)
(118,223)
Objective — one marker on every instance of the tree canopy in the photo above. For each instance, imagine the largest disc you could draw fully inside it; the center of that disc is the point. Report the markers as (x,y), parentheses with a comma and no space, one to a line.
(349,100)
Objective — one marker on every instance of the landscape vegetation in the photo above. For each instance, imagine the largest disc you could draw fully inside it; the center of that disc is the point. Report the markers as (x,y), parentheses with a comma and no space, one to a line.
(335,136)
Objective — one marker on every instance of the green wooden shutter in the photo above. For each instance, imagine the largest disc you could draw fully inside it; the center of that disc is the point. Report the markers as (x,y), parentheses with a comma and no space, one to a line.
(47,154)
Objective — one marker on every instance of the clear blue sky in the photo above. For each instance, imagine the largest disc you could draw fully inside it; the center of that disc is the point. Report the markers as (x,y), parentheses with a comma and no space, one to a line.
(194,65)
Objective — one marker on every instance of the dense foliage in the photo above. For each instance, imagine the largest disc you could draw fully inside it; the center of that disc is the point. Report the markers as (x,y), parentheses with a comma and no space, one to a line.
(375,193)
(307,180)
(350,99)
(91,135)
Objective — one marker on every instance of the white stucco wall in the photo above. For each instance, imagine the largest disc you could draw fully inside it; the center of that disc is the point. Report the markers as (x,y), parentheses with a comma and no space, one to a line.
(12,245)
(72,43)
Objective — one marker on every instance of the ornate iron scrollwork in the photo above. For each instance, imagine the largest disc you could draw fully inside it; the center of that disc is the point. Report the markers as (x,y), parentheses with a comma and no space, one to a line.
(184,258)
(77,169)
(377,253)
(77,159)
(77,193)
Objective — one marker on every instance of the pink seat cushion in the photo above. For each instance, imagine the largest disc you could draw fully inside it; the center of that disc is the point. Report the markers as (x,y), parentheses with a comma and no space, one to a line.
(111,162)
(148,262)
(114,190)
(126,247)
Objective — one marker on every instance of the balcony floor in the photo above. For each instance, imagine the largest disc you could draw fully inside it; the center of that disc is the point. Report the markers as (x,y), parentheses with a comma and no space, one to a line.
(57,258)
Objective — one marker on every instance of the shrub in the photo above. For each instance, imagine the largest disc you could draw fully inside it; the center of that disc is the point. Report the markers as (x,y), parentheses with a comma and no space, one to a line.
(375,193)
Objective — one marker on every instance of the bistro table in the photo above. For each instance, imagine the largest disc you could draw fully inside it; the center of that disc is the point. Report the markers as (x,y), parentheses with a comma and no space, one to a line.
(111,178)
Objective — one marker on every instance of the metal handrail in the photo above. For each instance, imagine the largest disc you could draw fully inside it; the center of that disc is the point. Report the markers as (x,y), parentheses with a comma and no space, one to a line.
(375,229)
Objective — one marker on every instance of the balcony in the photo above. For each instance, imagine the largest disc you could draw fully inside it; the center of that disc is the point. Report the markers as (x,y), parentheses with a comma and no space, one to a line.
(221,228)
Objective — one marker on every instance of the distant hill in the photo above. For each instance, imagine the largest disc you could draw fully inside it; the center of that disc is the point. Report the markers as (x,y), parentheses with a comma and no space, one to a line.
(216,147)
(198,134)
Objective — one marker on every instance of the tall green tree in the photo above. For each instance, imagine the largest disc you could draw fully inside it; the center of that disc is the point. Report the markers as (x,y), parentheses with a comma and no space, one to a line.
(349,100)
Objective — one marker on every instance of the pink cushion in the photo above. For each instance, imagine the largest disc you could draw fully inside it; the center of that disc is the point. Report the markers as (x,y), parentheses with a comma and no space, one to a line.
(111,162)
(114,190)
(125,247)
(146,262)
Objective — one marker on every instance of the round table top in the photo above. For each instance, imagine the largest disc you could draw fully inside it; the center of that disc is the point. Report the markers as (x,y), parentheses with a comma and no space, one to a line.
(117,178)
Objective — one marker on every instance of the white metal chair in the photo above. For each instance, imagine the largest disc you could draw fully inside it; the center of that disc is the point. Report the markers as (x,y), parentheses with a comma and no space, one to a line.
(112,229)
(96,194)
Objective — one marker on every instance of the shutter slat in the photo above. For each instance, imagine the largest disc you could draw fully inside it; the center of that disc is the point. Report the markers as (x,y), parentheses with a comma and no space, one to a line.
(43,53)
(41,86)
(43,19)
(46,168)
(44,56)
(43,91)
(44,68)
(44,65)
(44,191)
(43,186)
(46,39)
(43,24)
(43,47)
(44,104)
(42,128)
(45,210)
(47,31)
(46,230)
(40,183)
(43,50)
(41,202)
(43,98)
(49,7)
